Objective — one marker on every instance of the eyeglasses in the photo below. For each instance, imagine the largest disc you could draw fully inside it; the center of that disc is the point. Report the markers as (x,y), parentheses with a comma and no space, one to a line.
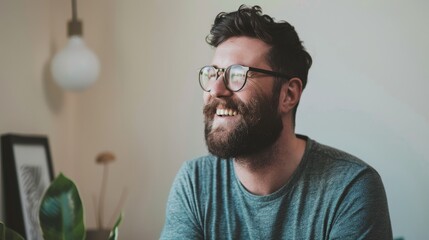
(234,77)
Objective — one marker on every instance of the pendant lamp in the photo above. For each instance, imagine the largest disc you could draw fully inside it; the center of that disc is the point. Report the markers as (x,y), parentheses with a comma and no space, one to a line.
(75,67)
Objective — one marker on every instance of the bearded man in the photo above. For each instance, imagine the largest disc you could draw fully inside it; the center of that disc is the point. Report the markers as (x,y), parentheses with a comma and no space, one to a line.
(261,180)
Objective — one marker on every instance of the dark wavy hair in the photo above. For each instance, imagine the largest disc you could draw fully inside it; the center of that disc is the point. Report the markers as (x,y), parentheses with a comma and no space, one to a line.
(287,54)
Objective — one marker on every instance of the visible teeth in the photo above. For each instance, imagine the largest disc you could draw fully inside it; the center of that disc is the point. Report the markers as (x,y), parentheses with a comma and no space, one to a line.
(225,112)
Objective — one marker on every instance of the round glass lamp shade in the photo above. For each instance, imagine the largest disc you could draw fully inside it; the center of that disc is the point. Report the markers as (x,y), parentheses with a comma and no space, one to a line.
(75,67)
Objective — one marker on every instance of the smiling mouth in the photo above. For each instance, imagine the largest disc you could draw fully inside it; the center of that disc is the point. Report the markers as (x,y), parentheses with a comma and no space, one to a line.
(225,112)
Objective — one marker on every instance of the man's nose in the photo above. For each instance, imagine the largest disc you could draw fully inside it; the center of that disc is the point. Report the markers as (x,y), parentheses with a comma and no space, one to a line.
(219,89)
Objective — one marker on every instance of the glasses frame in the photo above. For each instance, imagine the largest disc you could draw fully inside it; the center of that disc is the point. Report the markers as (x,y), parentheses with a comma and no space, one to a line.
(247,69)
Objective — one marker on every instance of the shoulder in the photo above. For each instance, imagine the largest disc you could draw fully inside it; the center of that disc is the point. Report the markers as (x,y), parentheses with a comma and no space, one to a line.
(201,171)
(199,166)
(201,162)
(330,159)
(190,179)
(328,154)
(337,169)
(356,192)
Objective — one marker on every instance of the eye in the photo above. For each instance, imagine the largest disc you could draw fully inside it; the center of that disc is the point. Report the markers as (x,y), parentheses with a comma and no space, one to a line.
(251,74)
(211,75)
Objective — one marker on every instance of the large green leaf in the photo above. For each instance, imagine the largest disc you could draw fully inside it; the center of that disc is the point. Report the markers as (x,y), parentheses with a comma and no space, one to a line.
(8,234)
(61,211)
(114,232)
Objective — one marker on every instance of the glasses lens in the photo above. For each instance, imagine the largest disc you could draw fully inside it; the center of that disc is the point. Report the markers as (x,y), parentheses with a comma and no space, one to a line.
(236,77)
(207,77)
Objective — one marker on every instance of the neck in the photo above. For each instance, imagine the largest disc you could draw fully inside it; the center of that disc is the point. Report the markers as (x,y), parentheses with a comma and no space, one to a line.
(279,162)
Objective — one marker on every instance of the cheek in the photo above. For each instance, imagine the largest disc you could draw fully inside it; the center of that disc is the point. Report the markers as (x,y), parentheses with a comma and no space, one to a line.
(264,86)
(254,91)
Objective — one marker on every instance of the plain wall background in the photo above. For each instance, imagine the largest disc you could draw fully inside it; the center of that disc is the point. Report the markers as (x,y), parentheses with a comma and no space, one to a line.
(366,94)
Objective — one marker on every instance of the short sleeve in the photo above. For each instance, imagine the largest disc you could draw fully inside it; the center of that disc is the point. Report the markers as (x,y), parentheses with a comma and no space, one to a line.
(182,213)
(363,211)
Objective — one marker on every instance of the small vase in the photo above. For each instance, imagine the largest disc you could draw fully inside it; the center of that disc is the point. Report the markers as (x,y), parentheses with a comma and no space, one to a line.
(97,234)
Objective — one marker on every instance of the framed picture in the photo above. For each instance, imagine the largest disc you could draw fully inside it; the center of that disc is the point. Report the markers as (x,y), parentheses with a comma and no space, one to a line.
(27,173)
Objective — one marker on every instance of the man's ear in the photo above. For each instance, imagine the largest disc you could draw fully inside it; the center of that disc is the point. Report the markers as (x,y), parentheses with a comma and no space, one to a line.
(290,94)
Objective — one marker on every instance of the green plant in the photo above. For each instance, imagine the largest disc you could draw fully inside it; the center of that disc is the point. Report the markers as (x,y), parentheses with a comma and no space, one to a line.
(105,159)
(61,212)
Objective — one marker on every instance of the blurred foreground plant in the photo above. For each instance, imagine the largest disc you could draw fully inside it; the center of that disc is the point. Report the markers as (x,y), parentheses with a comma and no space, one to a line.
(61,212)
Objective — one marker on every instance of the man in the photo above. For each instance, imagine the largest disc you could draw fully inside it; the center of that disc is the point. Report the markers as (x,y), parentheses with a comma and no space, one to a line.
(262,181)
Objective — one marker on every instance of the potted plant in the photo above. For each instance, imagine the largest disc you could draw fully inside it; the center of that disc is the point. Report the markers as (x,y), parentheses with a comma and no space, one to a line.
(104,159)
(61,212)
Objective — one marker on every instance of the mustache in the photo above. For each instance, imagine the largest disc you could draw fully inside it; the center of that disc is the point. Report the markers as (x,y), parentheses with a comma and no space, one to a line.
(210,108)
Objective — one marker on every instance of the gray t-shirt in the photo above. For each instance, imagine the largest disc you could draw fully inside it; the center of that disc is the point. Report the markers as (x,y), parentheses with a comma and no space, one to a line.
(331,195)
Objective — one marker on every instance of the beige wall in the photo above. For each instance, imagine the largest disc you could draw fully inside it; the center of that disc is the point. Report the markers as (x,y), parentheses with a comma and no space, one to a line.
(140,119)
(29,101)
(146,106)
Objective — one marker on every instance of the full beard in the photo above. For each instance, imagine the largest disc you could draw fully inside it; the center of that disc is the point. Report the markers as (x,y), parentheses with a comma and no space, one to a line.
(258,128)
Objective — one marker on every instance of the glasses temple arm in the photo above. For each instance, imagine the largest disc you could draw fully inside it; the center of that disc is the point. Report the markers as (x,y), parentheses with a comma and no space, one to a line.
(275,74)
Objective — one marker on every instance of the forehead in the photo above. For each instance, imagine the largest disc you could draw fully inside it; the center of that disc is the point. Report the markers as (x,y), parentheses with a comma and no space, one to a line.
(246,51)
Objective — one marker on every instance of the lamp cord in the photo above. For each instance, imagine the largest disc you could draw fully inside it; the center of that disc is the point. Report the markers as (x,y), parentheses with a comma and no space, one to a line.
(74,25)
(74,10)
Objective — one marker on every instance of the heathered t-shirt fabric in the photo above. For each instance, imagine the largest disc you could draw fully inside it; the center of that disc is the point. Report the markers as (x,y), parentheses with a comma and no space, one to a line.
(331,195)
